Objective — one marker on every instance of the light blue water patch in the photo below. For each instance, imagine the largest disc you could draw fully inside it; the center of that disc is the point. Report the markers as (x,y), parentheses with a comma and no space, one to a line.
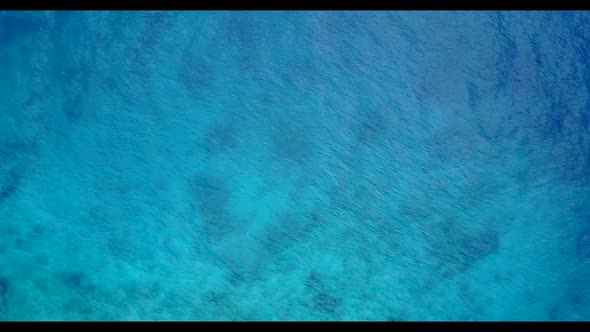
(294,166)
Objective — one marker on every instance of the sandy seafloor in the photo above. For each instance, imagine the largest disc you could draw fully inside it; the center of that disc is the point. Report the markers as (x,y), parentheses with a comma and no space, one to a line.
(294,166)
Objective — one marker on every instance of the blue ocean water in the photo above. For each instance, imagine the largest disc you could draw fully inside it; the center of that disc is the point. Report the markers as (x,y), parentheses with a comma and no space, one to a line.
(294,166)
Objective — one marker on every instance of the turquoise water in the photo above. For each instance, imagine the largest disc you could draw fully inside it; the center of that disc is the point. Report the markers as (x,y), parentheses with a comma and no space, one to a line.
(294,166)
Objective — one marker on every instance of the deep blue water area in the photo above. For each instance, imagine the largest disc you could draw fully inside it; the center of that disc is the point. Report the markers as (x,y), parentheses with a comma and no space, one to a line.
(294,165)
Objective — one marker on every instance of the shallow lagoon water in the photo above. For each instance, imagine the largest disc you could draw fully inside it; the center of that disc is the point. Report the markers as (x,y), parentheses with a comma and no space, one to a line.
(294,166)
